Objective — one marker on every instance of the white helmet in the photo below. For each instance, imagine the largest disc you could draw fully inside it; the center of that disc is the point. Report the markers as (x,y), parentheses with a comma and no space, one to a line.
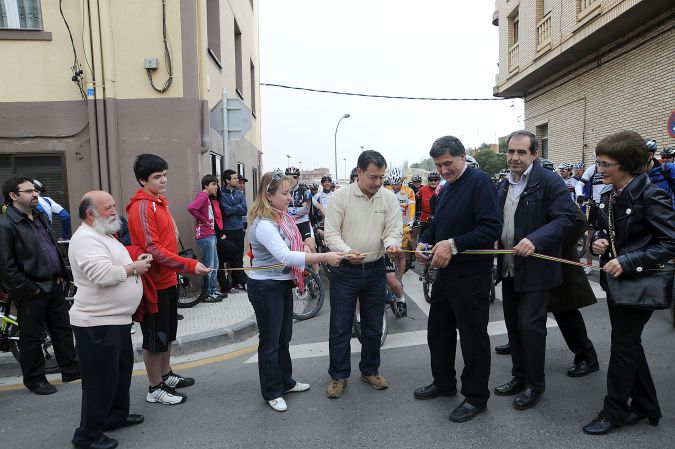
(472,162)
(395,176)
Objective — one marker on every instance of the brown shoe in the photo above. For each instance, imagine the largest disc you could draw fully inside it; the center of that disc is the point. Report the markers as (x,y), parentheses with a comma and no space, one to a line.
(377,382)
(336,387)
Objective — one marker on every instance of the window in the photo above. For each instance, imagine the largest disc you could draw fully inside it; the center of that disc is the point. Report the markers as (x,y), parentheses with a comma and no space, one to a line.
(516,26)
(216,165)
(237,60)
(254,179)
(50,170)
(213,29)
(253,107)
(542,136)
(241,169)
(20,14)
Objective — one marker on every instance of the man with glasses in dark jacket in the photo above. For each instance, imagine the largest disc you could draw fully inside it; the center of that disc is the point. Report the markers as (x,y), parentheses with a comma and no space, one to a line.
(34,273)
(233,208)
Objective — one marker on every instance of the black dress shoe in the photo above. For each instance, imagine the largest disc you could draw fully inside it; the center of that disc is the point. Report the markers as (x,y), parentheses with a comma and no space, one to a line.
(514,386)
(432,391)
(42,388)
(465,412)
(583,368)
(130,420)
(528,398)
(503,349)
(598,426)
(635,417)
(103,442)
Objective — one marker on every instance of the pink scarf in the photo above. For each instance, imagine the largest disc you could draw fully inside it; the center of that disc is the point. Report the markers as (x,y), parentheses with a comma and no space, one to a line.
(290,230)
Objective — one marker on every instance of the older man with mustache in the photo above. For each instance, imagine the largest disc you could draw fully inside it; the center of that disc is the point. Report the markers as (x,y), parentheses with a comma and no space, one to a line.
(108,292)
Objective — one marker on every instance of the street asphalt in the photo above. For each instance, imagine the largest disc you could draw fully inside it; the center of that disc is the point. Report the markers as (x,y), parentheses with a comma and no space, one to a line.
(225,410)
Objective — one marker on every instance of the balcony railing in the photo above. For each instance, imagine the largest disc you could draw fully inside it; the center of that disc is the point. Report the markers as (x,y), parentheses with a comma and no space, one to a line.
(514,56)
(544,31)
(586,3)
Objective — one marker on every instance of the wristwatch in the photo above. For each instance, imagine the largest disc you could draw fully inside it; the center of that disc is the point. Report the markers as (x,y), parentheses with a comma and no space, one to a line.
(453,248)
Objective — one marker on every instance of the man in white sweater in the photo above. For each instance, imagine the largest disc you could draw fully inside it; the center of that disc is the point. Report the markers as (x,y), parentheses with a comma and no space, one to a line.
(108,292)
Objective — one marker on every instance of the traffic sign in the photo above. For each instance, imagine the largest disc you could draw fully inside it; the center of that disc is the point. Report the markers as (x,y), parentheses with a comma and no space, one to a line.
(671,124)
(238,118)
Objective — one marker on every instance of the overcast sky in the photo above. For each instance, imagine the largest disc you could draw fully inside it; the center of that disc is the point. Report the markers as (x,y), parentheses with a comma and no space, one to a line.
(428,48)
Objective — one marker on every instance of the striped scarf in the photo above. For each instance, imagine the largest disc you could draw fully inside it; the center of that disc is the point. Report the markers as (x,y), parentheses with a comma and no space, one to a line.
(290,230)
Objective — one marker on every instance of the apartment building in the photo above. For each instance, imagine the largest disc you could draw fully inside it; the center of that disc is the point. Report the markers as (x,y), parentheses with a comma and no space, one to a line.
(84,90)
(587,68)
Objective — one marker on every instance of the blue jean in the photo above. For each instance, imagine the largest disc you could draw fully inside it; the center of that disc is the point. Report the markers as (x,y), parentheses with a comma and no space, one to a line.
(210,259)
(272,302)
(368,283)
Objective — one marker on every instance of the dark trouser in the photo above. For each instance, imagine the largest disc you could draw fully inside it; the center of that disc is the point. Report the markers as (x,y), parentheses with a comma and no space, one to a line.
(48,310)
(273,305)
(461,302)
(525,316)
(236,258)
(628,374)
(106,360)
(368,283)
(225,250)
(573,329)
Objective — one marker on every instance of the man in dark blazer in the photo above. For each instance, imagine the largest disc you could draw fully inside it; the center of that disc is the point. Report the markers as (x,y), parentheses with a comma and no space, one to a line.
(538,215)
(34,273)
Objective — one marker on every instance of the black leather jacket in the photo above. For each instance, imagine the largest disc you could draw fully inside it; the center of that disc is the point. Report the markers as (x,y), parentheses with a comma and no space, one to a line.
(644,223)
(23,268)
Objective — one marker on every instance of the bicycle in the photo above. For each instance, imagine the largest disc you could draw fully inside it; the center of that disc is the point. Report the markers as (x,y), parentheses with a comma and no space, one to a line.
(191,289)
(321,248)
(307,305)
(429,276)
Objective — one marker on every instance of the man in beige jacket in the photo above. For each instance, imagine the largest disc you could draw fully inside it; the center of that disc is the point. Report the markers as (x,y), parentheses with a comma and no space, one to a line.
(108,292)
(363,221)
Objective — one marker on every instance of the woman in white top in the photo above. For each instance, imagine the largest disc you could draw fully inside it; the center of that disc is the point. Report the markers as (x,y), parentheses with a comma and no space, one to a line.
(275,240)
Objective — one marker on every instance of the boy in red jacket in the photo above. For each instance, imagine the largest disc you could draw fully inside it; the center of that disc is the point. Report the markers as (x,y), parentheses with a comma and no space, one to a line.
(152,228)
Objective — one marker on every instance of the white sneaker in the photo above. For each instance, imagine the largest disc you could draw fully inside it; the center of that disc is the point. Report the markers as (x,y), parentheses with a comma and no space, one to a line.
(298,387)
(164,395)
(278,404)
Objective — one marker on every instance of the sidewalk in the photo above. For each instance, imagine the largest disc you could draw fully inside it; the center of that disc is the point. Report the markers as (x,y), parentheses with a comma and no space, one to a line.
(205,326)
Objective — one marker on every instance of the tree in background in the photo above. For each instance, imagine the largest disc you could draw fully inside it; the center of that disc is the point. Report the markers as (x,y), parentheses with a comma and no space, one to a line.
(491,163)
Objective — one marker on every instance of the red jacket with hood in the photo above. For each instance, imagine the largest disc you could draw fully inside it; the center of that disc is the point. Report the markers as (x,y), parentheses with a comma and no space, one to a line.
(151,228)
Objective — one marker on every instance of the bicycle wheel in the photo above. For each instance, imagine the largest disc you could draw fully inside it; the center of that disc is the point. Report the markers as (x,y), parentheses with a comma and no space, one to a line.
(190,290)
(308,304)
(51,366)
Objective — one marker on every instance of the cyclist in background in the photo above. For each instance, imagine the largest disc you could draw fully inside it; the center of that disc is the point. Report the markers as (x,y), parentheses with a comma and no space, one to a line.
(406,201)
(578,171)
(589,188)
(320,202)
(565,170)
(49,207)
(668,155)
(427,195)
(662,175)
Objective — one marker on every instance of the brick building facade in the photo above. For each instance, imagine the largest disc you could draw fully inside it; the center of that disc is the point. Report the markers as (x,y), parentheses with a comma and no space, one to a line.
(587,68)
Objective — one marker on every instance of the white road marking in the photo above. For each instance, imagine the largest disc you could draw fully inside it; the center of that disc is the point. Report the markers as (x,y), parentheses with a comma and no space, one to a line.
(400,340)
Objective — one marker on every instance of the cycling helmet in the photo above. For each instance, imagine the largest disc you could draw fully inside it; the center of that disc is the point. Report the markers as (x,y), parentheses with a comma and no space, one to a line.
(651,145)
(565,166)
(547,164)
(386,181)
(668,152)
(472,162)
(416,178)
(313,186)
(395,176)
(433,176)
(39,187)
(503,172)
(326,178)
(579,165)
(293,170)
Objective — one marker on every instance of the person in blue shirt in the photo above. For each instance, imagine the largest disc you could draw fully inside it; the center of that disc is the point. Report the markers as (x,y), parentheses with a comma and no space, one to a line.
(233,208)
(661,174)
(49,207)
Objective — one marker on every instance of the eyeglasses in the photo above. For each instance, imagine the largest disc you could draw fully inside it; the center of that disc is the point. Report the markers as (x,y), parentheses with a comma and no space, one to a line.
(29,191)
(605,164)
(276,177)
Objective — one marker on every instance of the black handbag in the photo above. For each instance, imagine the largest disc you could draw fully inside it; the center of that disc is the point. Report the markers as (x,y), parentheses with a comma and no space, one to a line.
(650,290)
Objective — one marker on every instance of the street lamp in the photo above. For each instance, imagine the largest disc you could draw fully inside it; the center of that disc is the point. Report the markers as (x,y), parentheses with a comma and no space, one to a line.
(300,164)
(347,115)
(345,159)
(288,160)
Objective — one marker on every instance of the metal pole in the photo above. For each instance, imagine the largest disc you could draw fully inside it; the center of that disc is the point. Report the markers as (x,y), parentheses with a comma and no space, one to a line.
(226,132)
(346,115)
(345,159)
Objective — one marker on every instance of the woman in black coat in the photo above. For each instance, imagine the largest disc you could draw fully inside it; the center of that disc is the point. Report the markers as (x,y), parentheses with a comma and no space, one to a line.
(636,233)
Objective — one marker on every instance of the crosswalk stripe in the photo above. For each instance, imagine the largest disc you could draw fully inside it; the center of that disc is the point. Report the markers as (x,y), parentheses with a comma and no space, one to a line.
(400,340)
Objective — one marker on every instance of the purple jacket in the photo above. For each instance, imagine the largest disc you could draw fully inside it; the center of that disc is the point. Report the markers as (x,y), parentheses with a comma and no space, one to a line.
(202,209)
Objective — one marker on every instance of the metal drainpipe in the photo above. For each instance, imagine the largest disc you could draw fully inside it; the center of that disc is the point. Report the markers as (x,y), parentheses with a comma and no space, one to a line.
(91,99)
